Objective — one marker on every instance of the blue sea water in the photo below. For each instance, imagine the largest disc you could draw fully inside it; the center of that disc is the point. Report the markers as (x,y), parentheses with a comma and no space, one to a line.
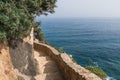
(96,39)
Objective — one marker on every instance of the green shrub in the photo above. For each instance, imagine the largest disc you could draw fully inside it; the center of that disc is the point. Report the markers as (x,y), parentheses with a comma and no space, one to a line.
(17,16)
(98,71)
(39,34)
(61,50)
(2,36)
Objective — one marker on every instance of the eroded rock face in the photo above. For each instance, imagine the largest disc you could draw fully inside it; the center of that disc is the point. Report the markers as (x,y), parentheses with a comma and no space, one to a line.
(22,58)
(6,68)
(17,61)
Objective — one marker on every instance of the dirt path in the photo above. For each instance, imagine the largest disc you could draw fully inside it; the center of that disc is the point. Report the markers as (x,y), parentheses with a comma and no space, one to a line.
(47,68)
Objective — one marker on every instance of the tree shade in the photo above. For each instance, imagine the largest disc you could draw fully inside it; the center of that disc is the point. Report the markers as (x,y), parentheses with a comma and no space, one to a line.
(17,16)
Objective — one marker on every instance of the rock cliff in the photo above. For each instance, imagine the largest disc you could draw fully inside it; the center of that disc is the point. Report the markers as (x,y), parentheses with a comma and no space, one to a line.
(38,61)
(6,67)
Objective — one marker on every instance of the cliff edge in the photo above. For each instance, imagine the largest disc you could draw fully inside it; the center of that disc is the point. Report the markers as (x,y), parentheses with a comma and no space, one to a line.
(37,61)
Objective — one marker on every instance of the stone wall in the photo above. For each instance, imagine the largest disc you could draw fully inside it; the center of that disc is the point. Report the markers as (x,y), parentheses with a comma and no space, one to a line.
(69,69)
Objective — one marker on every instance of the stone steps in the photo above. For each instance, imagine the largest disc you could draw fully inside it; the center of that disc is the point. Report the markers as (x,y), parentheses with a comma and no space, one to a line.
(47,68)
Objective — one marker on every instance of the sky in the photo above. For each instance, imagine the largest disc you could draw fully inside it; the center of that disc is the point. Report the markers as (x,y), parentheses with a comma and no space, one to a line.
(86,8)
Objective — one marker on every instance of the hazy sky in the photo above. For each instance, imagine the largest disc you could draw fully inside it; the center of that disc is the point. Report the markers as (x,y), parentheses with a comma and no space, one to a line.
(87,8)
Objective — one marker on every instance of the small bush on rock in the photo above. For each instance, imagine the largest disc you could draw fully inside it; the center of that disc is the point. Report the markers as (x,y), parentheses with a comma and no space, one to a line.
(61,50)
(98,71)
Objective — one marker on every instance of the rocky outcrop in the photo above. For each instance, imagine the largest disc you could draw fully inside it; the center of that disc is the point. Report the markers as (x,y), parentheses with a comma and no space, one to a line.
(6,67)
(19,63)
(23,59)
(69,69)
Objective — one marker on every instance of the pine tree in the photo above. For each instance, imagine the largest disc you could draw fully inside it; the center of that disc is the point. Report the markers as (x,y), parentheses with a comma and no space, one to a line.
(17,17)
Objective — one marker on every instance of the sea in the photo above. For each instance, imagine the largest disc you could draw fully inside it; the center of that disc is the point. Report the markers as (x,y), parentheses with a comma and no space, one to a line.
(87,39)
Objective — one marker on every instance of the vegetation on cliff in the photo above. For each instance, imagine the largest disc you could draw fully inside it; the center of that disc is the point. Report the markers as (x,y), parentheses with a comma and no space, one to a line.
(17,17)
(60,49)
(98,71)
(38,34)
